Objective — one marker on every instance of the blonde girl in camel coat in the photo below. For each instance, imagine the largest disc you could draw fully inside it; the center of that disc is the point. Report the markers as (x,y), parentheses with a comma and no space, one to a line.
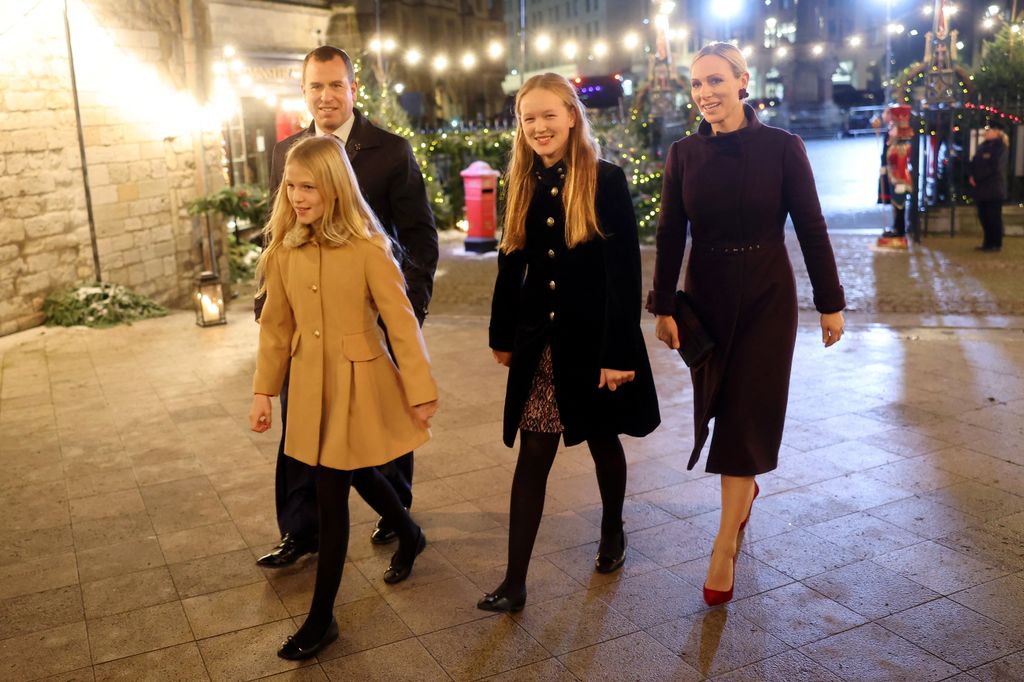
(330,277)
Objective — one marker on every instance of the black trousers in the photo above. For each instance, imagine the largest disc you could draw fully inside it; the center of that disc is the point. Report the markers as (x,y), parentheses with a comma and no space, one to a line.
(295,485)
(990,214)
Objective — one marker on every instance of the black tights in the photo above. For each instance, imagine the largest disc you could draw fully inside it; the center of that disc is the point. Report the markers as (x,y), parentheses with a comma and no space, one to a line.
(332,486)
(536,455)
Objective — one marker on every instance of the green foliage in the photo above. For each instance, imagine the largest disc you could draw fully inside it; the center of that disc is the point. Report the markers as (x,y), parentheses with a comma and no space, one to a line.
(242,202)
(447,154)
(627,144)
(242,259)
(443,155)
(98,305)
(1001,69)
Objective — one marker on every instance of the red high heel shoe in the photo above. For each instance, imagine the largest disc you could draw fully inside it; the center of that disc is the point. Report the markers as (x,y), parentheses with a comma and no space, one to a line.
(716,597)
(744,524)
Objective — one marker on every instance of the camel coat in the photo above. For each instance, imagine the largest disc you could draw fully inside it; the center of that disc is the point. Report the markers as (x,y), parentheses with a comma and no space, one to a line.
(348,405)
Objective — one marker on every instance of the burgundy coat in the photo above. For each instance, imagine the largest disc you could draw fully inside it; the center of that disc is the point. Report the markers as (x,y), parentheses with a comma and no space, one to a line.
(734,192)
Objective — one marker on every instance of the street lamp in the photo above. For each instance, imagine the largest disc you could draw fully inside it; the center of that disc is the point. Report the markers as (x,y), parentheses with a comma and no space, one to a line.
(726,10)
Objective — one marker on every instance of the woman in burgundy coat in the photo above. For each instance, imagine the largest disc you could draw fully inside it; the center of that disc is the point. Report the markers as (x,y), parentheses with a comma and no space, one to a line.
(733,184)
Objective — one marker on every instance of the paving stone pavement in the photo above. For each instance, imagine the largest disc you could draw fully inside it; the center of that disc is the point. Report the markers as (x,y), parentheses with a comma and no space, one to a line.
(889,544)
(940,277)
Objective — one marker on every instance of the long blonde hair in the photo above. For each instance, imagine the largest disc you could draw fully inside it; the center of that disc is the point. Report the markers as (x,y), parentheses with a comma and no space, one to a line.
(347,216)
(581,171)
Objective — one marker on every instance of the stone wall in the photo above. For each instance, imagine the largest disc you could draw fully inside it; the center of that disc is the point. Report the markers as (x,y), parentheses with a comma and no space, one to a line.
(274,26)
(150,147)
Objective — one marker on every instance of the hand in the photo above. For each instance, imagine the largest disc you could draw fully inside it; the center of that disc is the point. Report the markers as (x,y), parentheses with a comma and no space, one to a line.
(666,330)
(260,413)
(503,357)
(613,378)
(422,413)
(832,325)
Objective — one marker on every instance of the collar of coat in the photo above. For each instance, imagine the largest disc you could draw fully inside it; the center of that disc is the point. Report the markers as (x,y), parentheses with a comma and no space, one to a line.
(705,132)
(549,177)
(298,235)
(364,134)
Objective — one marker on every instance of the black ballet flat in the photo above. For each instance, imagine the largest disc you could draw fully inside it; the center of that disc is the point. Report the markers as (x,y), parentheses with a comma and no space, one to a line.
(293,652)
(609,563)
(397,572)
(502,604)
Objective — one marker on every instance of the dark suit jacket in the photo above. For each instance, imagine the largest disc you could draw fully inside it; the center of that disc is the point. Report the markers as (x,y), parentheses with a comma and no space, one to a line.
(988,168)
(392,184)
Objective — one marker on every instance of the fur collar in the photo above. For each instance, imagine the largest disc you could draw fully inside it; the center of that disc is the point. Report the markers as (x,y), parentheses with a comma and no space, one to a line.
(298,235)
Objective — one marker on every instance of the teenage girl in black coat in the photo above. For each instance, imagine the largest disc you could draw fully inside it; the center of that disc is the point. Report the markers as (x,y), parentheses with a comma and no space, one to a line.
(565,319)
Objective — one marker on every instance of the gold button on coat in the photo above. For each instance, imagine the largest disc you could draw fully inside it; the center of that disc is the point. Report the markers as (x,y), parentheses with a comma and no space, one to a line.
(551,222)
(316,333)
(314,287)
(551,253)
(551,285)
(554,191)
(551,315)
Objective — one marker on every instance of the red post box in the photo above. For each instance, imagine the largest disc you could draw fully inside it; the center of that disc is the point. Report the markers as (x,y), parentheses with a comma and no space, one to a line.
(481,185)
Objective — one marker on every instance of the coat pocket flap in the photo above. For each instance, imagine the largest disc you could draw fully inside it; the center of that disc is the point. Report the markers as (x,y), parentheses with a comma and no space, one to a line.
(365,345)
(295,342)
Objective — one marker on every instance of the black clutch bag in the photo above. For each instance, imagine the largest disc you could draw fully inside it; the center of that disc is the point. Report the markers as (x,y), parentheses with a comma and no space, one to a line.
(695,344)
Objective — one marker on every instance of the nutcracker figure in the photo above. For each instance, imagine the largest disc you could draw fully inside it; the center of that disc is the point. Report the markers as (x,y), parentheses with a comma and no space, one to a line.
(895,180)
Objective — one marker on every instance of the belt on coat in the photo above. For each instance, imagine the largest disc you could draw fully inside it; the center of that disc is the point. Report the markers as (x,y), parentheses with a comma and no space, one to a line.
(730,248)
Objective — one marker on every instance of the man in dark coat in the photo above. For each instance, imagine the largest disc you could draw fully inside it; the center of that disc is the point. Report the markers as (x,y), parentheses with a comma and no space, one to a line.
(392,184)
(988,178)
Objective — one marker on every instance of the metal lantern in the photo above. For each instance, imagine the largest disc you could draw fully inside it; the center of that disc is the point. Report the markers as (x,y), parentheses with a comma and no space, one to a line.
(209,300)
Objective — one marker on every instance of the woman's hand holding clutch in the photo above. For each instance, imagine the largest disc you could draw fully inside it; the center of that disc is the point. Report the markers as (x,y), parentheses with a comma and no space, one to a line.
(667,331)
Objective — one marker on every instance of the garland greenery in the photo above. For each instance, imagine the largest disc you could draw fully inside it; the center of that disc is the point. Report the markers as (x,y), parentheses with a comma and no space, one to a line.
(442,155)
(242,259)
(99,304)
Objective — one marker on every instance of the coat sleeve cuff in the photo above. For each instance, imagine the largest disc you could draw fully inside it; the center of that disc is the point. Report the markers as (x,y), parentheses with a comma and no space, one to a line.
(661,303)
(267,383)
(499,340)
(832,303)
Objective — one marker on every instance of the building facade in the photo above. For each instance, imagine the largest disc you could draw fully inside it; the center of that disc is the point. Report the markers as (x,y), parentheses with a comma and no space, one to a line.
(103,194)
(454,33)
(573,37)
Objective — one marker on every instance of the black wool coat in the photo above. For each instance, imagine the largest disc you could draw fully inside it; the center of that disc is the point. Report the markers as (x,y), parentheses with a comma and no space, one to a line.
(734,192)
(988,168)
(392,184)
(585,303)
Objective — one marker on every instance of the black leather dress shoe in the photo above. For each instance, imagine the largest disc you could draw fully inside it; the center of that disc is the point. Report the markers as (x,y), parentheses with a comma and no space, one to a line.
(397,572)
(293,652)
(382,535)
(501,603)
(287,552)
(612,557)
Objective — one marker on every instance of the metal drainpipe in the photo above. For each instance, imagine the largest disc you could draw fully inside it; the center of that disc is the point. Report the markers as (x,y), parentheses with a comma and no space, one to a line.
(81,149)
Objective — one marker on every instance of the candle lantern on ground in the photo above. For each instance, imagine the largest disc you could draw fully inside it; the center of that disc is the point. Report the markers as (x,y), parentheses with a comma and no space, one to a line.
(209,300)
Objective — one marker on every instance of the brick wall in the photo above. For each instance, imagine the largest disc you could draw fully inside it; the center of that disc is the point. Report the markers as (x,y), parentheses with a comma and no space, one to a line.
(146,152)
